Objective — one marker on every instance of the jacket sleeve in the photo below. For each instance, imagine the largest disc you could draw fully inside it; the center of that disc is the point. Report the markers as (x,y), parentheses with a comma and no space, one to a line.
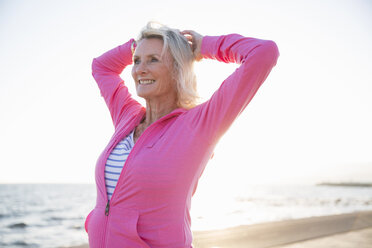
(256,58)
(106,70)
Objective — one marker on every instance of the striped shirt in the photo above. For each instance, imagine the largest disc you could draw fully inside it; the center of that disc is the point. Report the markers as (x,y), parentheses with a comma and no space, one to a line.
(115,163)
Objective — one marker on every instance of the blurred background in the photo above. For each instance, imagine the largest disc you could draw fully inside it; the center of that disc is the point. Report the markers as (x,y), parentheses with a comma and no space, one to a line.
(310,122)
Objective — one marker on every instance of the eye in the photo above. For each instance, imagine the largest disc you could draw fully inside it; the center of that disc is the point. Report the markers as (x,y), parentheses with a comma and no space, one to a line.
(136,61)
(154,60)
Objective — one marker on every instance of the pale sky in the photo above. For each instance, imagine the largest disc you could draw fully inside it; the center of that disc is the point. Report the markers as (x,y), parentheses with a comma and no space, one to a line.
(310,121)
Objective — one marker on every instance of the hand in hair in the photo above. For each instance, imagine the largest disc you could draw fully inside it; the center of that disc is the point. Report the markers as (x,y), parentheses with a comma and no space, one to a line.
(195,40)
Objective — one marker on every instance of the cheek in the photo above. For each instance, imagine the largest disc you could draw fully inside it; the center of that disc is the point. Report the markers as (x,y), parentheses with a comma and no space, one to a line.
(168,76)
(133,73)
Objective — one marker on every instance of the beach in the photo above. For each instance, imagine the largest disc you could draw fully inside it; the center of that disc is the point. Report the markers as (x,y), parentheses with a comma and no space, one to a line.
(341,231)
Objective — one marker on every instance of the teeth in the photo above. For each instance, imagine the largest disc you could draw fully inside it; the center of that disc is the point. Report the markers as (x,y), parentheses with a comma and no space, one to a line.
(146,81)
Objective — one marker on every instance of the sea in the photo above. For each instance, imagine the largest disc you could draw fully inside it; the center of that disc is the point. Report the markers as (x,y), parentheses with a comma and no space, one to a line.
(53,215)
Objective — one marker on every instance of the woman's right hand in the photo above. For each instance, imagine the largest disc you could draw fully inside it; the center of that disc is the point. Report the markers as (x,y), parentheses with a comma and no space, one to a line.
(195,40)
(133,46)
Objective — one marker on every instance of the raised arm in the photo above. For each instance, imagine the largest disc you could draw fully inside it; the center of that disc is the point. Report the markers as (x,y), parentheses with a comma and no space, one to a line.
(106,70)
(256,58)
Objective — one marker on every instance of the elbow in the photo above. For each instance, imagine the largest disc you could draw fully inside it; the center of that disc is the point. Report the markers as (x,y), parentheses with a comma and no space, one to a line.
(97,67)
(94,65)
(270,51)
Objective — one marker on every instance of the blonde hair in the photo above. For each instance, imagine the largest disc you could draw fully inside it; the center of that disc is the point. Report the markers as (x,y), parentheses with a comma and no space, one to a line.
(183,64)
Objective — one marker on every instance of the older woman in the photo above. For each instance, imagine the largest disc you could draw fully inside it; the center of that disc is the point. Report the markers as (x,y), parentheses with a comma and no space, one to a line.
(149,170)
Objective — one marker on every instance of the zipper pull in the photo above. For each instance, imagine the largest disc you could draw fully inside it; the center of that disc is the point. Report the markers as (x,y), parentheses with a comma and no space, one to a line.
(107,210)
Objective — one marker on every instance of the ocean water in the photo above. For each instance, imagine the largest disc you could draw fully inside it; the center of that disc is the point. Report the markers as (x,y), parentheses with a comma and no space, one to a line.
(44,215)
(265,203)
(53,215)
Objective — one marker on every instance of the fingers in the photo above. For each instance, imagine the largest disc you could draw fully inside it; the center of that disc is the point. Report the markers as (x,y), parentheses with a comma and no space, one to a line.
(194,39)
(189,35)
(190,32)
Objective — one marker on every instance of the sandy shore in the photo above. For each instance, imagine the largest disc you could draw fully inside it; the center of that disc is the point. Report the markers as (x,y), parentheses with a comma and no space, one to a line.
(359,238)
(341,231)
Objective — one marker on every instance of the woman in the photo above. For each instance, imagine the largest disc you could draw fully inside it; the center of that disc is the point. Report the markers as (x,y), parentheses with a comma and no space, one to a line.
(144,190)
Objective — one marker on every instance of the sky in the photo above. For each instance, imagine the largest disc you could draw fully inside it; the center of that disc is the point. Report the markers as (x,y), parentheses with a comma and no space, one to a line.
(310,121)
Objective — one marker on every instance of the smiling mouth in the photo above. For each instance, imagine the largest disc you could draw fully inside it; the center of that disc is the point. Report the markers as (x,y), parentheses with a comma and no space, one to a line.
(145,82)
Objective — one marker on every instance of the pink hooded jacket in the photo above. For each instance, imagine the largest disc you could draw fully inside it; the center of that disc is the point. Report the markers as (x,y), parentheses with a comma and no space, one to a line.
(151,203)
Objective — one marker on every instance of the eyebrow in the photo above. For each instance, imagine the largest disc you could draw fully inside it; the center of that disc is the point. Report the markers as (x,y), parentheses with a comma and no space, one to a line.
(150,55)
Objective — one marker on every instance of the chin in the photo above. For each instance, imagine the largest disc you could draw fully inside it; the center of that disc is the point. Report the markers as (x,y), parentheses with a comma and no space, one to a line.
(144,94)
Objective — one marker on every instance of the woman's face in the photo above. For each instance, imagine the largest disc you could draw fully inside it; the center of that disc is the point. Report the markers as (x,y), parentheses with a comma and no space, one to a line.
(152,73)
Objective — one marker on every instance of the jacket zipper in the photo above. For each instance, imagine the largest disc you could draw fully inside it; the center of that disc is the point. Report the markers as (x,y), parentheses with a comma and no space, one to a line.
(144,134)
(126,164)
(103,243)
(107,209)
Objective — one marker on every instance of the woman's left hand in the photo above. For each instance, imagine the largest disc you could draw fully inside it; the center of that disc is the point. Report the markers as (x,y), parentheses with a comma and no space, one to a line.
(195,40)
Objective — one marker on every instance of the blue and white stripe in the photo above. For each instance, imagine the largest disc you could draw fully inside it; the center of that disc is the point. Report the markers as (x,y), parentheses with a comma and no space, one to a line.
(116,161)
